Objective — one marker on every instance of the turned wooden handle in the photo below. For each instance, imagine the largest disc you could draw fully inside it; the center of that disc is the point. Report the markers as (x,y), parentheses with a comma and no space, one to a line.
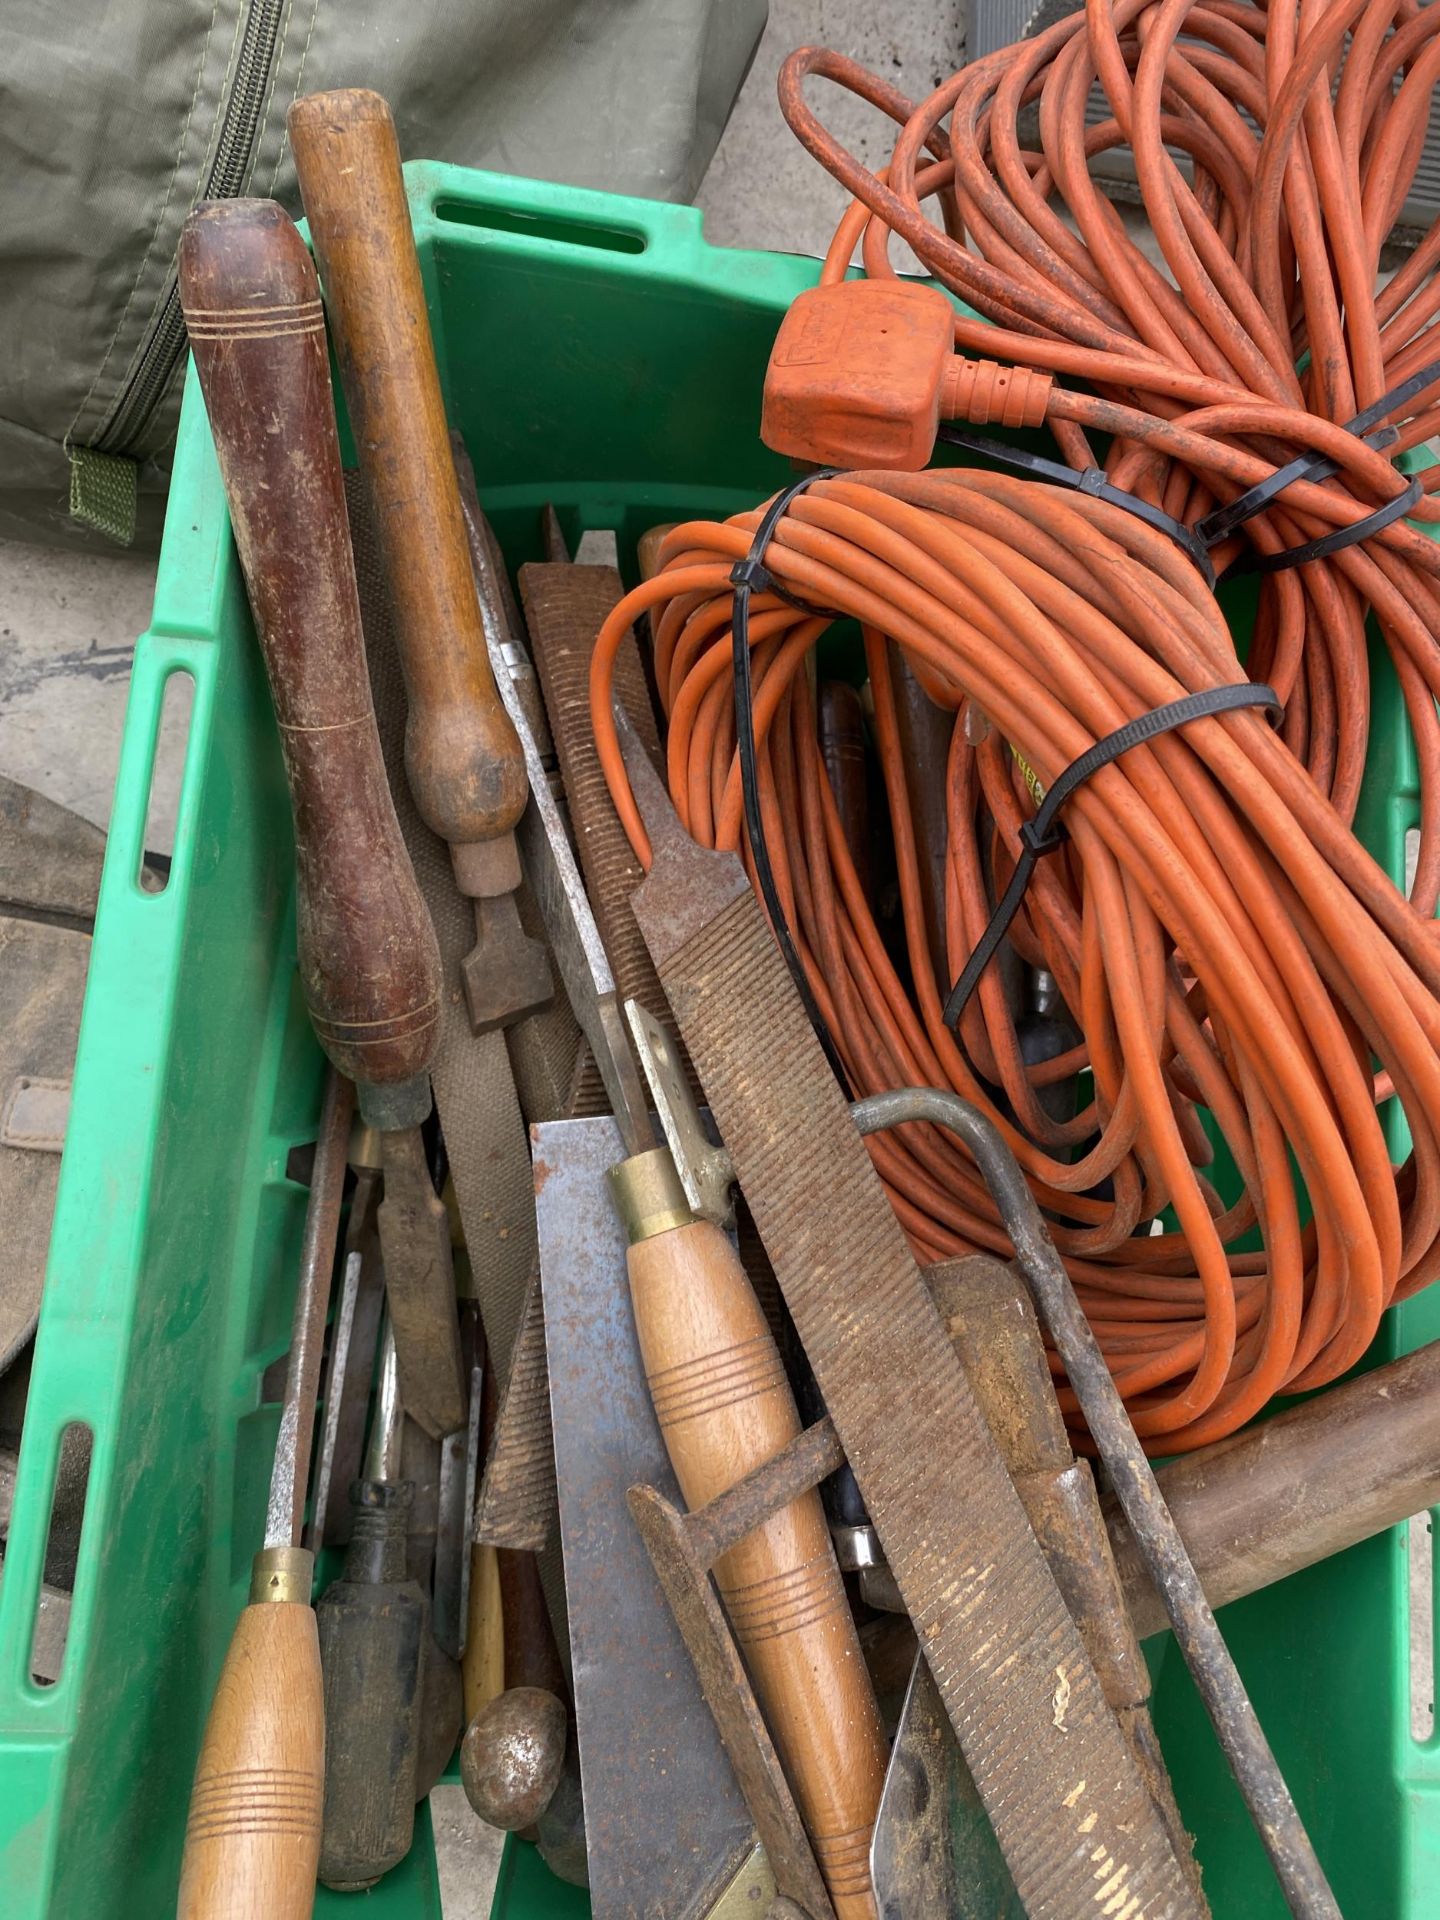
(464,759)
(725,1407)
(252,1845)
(368,955)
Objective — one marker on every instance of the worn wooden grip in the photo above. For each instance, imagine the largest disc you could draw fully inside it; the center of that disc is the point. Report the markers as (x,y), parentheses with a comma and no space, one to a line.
(252,1844)
(482,1665)
(462,753)
(532,1659)
(368,956)
(725,1407)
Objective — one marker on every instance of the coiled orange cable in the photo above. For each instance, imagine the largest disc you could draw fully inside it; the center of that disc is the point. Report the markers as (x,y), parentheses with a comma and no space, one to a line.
(1222,939)
(1261,328)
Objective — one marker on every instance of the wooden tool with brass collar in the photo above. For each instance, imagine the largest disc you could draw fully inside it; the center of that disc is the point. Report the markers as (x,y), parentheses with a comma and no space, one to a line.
(252,1845)
(464,761)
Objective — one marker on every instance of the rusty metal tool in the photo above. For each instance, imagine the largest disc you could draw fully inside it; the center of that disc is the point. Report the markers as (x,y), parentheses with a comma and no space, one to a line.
(931,1858)
(1314,1480)
(934,1855)
(420,1287)
(1262,1785)
(927,1859)
(252,1844)
(683,1549)
(459,1466)
(517,1502)
(350,1364)
(372,1623)
(1058,1785)
(722,1397)
(1251,1509)
(1259,1506)
(665,1823)
(369,961)
(513,1754)
(512,1757)
(988,1314)
(565,605)
(612,874)
(463,760)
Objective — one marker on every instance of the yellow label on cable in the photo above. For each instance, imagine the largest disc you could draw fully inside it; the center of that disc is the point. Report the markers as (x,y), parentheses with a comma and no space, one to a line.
(1032,779)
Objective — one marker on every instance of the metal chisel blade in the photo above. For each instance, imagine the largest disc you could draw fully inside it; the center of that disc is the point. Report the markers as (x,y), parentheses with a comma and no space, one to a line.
(665,1823)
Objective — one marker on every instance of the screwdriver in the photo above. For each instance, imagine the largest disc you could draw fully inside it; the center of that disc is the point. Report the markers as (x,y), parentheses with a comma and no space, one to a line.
(373,1625)
(369,961)
(252,1844)
(463,758)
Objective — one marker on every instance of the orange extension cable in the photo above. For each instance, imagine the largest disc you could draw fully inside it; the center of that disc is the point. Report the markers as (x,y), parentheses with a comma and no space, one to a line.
(1220,935)
(1269,328)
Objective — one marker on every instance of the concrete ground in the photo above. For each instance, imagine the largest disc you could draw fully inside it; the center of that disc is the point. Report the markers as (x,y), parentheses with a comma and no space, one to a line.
(68,623)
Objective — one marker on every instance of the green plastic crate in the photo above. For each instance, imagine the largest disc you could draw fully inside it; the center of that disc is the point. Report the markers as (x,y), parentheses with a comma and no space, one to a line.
(597,353)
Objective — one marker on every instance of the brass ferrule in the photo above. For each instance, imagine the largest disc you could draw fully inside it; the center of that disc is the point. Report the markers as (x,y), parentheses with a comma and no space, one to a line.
(364,1146)
(283,1575)
(648,1195)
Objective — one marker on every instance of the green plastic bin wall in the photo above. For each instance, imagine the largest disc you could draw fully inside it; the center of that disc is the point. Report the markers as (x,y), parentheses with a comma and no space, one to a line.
(595,352)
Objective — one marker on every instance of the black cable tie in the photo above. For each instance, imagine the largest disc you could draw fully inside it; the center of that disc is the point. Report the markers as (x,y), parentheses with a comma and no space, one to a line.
(1220,524)
(1335,541)
(1044,832)
(755,575)
(1366,425)
(1088,480)
(748,576)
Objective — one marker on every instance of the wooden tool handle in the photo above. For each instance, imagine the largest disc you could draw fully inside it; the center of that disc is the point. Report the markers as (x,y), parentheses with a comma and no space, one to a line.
(372,1627)
(466,767)
(368,955)
(252,1845)
(482,1665)
(532,1657)
(725,1407)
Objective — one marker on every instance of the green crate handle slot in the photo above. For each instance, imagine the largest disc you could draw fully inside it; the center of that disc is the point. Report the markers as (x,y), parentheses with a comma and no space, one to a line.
(141,932)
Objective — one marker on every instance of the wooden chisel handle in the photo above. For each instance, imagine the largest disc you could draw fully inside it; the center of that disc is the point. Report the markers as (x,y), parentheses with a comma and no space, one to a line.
(252,1845)
(368,955)
(725,1407)
(463,756)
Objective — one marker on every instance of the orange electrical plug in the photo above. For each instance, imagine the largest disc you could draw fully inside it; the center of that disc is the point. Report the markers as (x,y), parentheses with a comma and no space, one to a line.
(863,372)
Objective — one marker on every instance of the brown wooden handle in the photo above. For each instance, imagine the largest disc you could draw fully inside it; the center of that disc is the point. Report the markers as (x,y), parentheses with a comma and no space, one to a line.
(725,1407)
(532,1657)
(462,753)
(252,1845)
(368,955)
(647,548)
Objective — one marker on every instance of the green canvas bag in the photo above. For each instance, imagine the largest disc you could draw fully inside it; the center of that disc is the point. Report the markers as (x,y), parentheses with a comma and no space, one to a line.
(117,115)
